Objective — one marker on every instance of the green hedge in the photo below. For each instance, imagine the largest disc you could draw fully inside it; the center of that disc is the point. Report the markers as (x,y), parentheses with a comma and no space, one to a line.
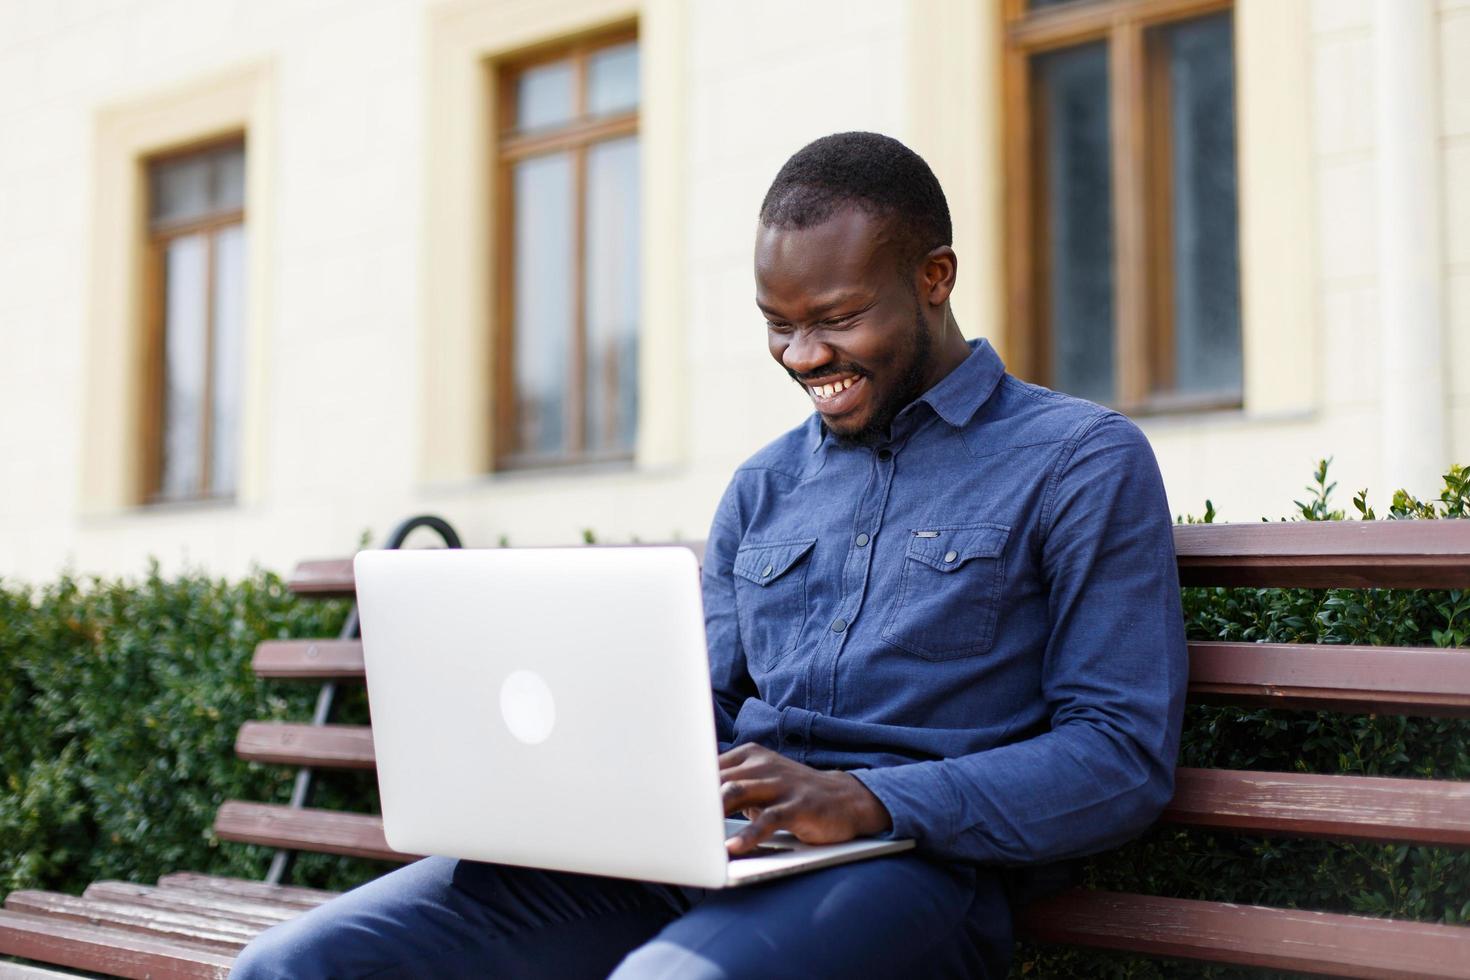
(119,704)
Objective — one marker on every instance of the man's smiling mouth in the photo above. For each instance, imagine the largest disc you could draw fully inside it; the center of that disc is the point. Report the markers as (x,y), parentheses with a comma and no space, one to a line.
(824,391)
(834,394)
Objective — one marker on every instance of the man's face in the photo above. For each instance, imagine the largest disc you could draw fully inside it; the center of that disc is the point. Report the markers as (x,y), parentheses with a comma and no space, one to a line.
(844,322)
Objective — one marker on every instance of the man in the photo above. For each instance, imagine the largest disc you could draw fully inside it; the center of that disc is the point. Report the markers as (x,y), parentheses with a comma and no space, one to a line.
(945,607)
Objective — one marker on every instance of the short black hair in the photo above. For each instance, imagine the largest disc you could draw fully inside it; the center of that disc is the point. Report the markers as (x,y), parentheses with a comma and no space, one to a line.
(868,170)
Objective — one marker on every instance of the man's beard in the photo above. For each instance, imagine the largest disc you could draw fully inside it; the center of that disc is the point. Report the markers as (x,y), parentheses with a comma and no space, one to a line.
(910,386)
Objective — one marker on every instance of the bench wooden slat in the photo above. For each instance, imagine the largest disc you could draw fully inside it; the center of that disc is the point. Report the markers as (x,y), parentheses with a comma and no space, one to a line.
(231,935)
(113,951)
(333,578)
(24,971)
(1369,808)
(1404,680)
(323,578)
(309,659)
(1326,554)
(294,895)
(326,746)
(1389,680)
(307,829)
(1304,554)
(1249,935)
(214,906)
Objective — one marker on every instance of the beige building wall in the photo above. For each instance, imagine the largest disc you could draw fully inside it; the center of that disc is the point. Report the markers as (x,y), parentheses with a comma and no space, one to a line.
(364,304)
(1454,108)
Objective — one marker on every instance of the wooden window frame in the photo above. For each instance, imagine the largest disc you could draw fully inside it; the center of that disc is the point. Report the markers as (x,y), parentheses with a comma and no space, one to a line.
(1138,93)
(158,236)
(511,147)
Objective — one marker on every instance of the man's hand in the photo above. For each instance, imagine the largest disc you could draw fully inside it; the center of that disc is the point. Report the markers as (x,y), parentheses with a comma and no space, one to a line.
(818,806)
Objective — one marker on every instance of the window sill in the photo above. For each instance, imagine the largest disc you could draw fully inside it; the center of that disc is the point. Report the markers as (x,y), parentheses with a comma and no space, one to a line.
(573,469)
(1219,418)
(162,510)
(1200,404)
(185,504)
(561,464)
(569,473)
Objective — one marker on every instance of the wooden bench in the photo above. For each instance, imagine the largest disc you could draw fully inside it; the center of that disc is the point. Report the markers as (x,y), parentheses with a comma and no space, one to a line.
(1339,678)
(190,925)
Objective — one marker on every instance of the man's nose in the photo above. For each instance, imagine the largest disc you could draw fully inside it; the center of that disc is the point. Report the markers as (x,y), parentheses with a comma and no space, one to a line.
(805,353)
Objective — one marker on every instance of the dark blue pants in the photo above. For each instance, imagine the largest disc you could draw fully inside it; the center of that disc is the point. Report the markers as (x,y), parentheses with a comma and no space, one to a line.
(899,916)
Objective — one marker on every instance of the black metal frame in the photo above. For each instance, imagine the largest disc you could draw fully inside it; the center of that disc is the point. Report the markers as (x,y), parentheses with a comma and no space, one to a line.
(326,700)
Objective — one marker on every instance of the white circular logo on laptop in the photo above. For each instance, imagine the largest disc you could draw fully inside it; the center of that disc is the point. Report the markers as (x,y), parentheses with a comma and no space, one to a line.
(527,706)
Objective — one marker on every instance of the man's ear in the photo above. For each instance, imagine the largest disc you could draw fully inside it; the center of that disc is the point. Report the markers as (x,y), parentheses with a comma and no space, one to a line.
(937,275)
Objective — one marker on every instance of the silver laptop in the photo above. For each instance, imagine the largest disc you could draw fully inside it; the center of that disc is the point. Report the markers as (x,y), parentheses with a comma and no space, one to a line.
(551,708)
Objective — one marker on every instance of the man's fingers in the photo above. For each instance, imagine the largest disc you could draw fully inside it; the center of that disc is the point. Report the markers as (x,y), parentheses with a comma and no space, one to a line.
(742,793)
(757,763)
(754,768)
(761,828)
(739,754)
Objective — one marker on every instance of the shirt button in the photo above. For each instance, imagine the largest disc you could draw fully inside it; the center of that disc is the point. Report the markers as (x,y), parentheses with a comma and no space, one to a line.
(767,570)
(885,454)
(794,738)
(951,555)
(839,624)
(862,540)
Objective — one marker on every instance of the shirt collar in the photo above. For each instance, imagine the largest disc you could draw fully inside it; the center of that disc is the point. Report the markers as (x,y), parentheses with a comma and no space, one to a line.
(957,396)
(961,392)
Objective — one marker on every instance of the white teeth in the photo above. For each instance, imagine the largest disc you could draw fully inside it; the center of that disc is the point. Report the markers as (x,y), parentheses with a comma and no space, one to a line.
(823,392)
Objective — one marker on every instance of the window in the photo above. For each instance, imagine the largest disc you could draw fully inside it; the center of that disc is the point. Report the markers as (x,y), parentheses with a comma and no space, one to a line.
(569,277)
(1122,227)
(196,300)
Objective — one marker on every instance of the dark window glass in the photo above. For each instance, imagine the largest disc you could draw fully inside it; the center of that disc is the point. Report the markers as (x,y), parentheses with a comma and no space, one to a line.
(191,187)
(1206,265)
(180,189)
(1078,233)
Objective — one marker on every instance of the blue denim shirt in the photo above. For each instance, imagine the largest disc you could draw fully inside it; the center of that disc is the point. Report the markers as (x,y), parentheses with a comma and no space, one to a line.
(979,618)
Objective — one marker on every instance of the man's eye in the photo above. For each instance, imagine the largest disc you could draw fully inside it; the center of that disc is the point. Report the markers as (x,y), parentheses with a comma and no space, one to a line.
(837,321)
(778,327)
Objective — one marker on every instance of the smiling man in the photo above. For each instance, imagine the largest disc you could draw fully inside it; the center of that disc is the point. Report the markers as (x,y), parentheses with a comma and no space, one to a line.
(943,608)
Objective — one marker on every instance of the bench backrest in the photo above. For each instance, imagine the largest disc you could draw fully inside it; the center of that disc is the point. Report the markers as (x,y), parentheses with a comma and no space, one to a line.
(1415,681)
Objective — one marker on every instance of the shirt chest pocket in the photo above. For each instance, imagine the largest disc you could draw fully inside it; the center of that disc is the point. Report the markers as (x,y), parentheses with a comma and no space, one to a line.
(949,592)
(770,597)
